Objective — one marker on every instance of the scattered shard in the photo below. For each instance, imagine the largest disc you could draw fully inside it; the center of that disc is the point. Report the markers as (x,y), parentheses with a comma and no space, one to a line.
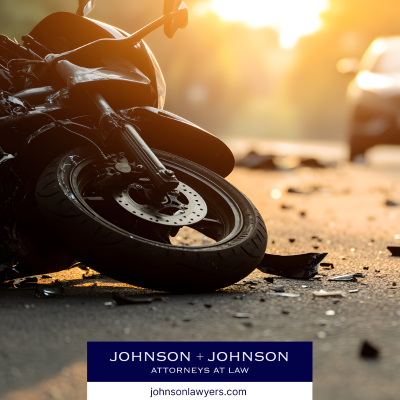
(54,289)
(368,351)
(395,250)
(243,315)
(323,293)
(280,289)
(348,278)
(301,266)
(285,294)
(130,300)
(391,203)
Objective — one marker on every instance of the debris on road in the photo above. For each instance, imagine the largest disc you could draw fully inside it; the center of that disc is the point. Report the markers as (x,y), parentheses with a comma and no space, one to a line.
(280,289)
(291,240)
(327,265)
(353,291)
(54,289)
(243,315)
(330,312)
(368,351)
(301,266)
(323,293)
(207,305)
(348,278)
(391,203)
(284,294)
(395,250)
(130,300)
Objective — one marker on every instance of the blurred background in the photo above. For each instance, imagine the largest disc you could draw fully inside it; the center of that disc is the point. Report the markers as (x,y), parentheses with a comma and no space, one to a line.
(253,68)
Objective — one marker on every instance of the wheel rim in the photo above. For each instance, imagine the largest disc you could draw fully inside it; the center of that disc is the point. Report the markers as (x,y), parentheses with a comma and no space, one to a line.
(222,219)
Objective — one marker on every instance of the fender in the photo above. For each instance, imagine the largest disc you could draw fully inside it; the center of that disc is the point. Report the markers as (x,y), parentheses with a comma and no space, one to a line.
(163,130)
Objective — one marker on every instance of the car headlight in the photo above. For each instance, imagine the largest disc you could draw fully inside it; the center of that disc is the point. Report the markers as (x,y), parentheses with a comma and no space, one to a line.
(161,87)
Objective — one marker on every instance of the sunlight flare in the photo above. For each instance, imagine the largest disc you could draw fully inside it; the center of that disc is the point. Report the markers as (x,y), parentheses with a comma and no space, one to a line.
(291,18)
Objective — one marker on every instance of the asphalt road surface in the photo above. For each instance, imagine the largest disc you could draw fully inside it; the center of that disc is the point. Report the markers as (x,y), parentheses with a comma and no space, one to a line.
(43,341)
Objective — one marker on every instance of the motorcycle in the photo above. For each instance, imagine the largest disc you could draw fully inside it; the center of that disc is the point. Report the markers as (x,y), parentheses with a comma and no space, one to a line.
(93,169)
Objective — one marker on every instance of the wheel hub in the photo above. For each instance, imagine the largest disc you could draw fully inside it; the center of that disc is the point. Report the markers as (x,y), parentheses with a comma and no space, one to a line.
(183,207)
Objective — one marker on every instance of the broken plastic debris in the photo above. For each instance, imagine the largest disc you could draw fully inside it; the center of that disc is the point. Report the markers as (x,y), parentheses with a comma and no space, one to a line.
(127,300)
(54,289)
(301,266)
(323,293)
(330,312)
(395,250)
(348,278)
(280,289)
(353,291)
(285,294)
(368,351)
(391,203)
(243,315)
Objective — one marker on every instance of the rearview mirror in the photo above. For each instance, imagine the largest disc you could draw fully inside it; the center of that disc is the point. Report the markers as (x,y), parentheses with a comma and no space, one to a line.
(179,21)
(85,6)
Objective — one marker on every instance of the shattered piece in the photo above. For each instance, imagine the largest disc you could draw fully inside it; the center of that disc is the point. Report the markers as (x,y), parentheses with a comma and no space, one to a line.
(247,324)
(127,300)
(286,312)
(285,207)
(296,191)
(327,265)
(394,284)
(109,304)
(243,315)
(365,267)
(269,279)
(262,300)
(347,278)
(301,266)
(395,250)
(253,286)
(353,291)
(292,240)
(254,160)
(391,203)
(304,286)
(368,351)
(319,276)
(330,312)
(54,289)
(285,294)
(26,283)
(323,293)
(316,247)
(280,289)
(208,305)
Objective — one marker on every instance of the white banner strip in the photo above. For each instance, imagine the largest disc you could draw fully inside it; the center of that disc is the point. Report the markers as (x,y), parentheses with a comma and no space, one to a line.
(199,390)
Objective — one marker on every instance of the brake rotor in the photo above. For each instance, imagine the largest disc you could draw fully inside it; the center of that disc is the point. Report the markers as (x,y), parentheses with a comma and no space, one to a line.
(182,208)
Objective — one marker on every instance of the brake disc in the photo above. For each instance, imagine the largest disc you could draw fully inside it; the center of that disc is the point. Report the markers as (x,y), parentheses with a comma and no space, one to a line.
(184,207)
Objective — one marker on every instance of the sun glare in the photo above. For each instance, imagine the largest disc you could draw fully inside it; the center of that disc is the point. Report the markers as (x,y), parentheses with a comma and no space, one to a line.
(291,18)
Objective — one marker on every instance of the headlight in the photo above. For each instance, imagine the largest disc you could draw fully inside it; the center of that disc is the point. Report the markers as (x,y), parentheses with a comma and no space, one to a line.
(161,87)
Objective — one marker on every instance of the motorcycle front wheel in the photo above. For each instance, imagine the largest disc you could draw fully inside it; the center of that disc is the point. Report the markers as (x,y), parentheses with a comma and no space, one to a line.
(108,233)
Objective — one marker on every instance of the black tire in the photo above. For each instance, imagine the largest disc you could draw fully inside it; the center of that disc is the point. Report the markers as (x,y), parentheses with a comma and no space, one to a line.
(128,257)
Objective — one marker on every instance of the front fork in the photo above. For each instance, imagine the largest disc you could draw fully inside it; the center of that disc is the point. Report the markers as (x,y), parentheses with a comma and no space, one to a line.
(136,149)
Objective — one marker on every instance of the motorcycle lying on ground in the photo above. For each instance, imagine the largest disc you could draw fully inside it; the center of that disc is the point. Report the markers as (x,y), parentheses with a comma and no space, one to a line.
(93,169)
